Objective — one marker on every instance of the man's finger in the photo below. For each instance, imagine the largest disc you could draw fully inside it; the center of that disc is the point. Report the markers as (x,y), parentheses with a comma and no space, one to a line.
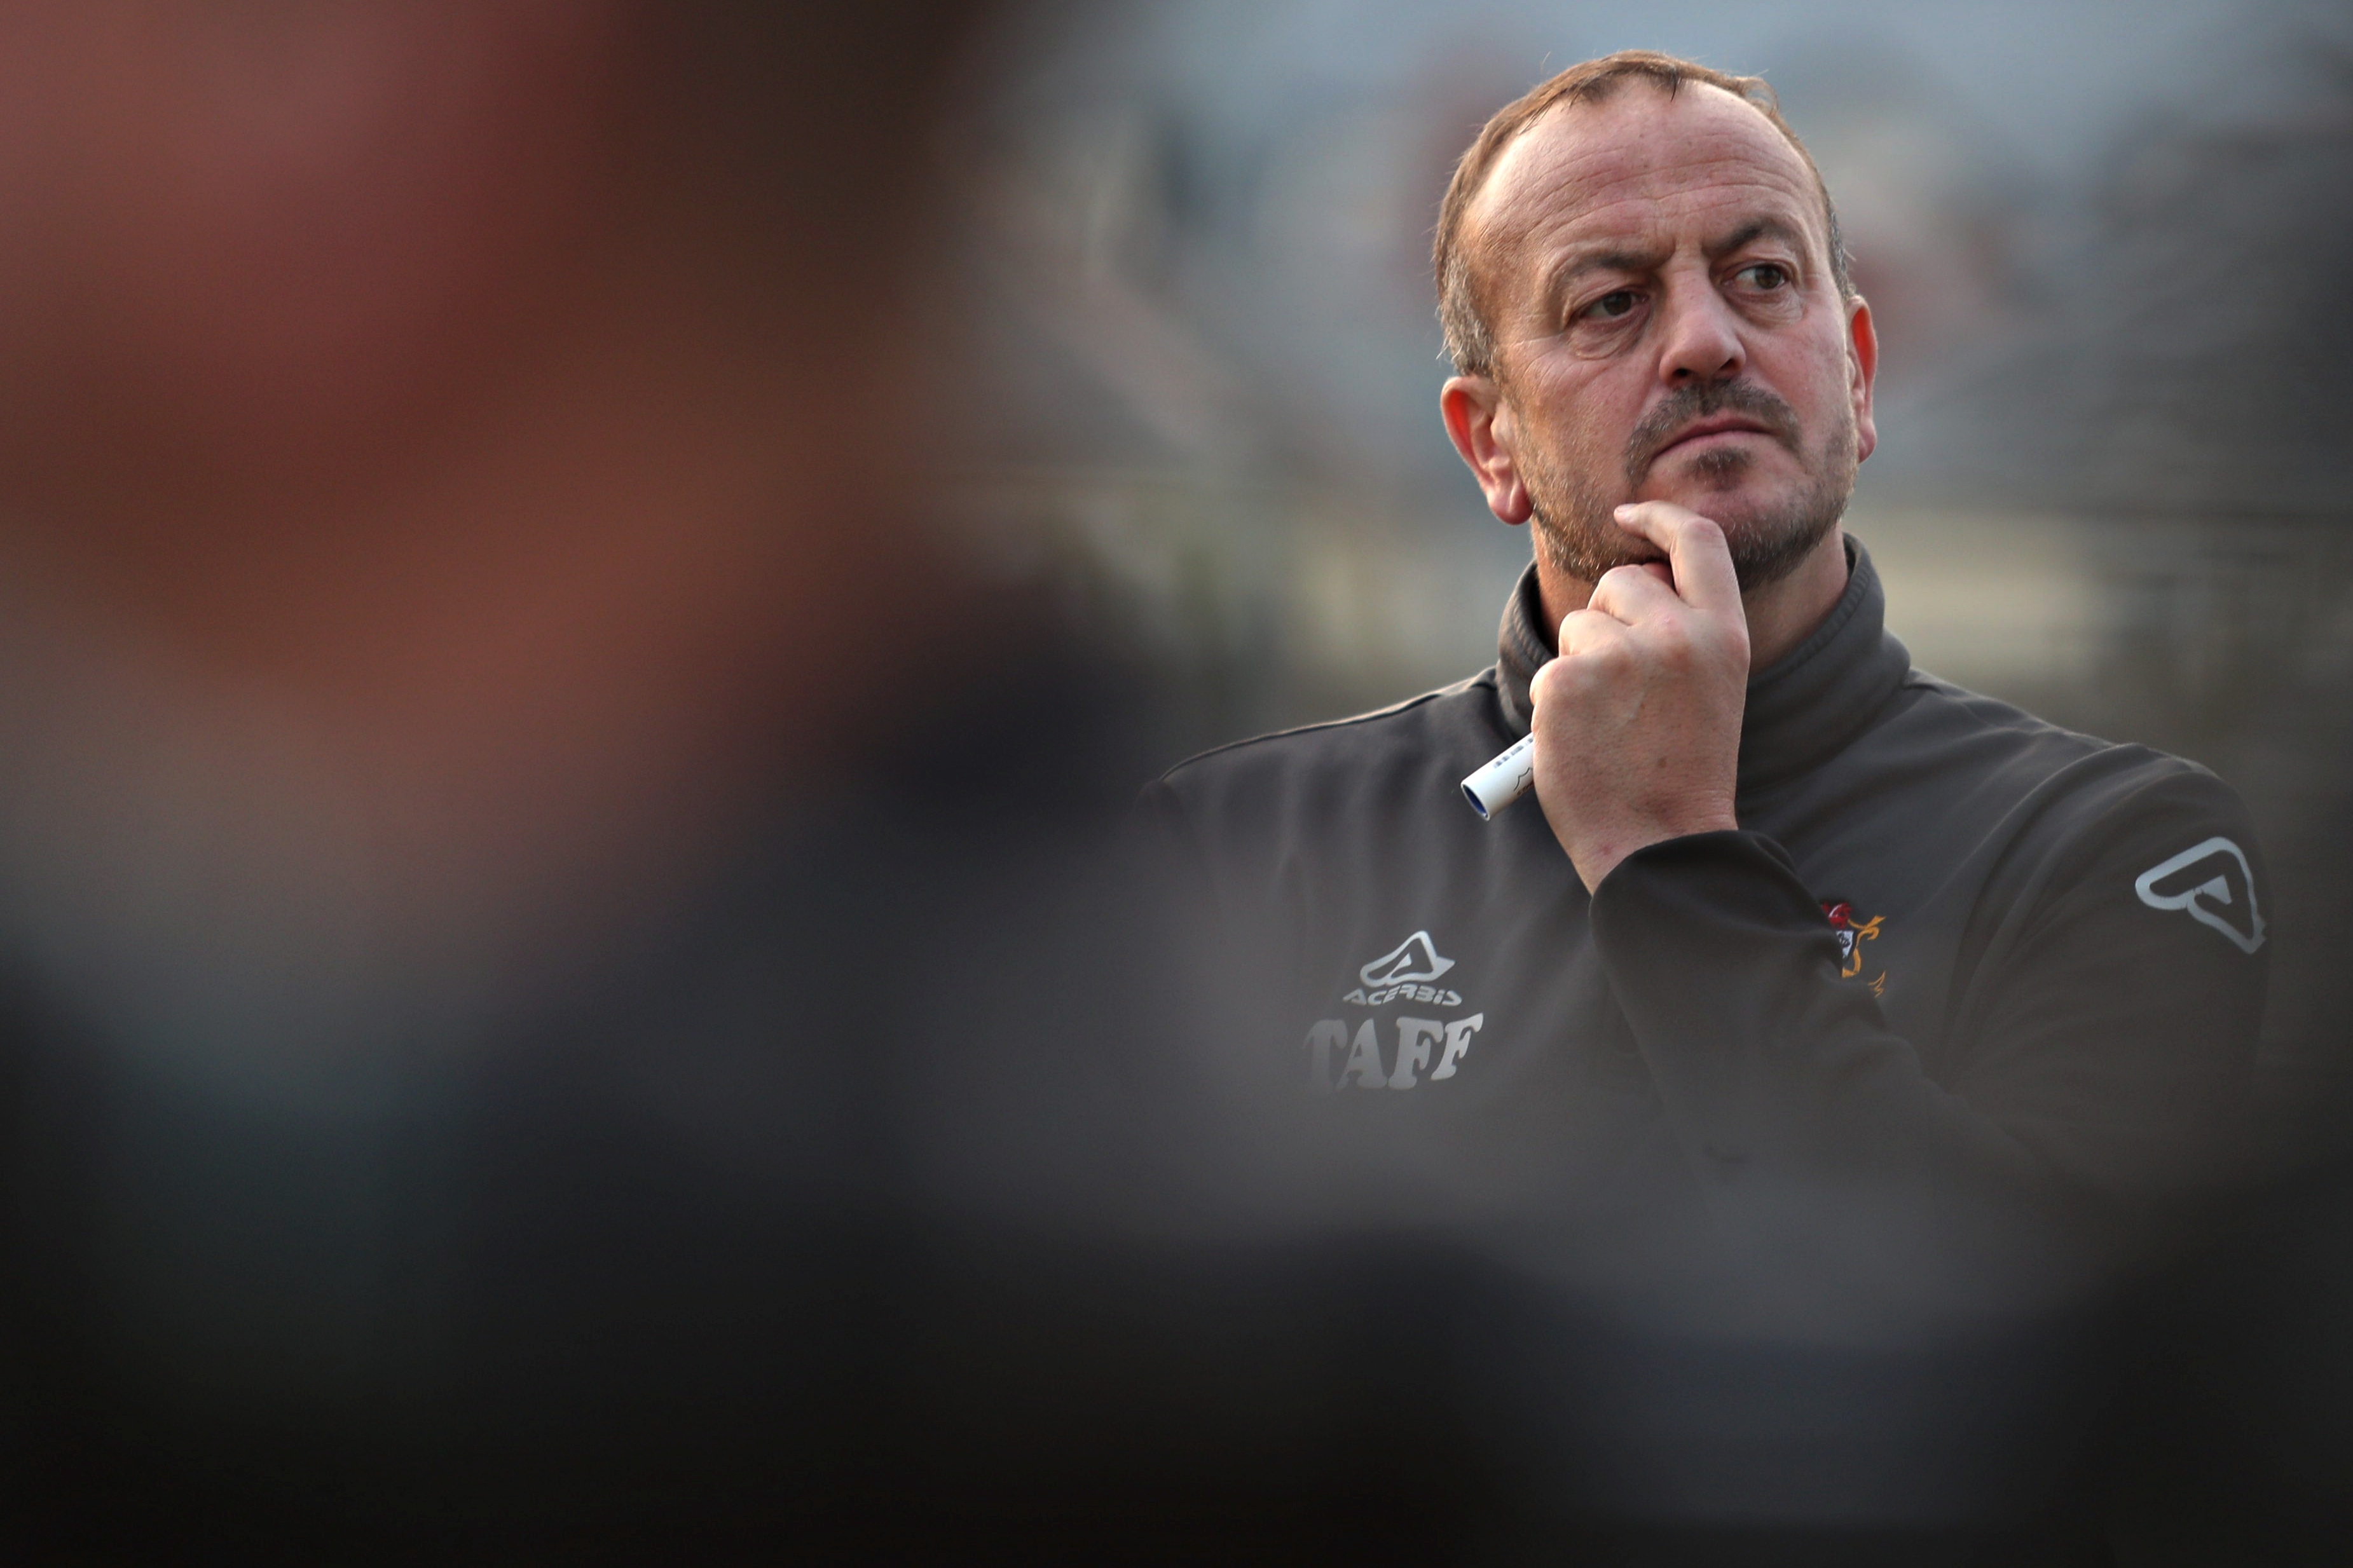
(1695,550)
(1632,594)
(1584,631)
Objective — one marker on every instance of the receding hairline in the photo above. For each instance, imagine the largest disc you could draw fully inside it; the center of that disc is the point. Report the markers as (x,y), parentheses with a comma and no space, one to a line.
(1472,225)
(1461,253)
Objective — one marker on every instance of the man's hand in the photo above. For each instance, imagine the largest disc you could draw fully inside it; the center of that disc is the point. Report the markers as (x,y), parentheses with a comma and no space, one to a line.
(1638,721)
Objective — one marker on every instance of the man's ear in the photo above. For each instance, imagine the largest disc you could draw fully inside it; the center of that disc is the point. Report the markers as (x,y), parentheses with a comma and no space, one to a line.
(1862,370)
(1479,422)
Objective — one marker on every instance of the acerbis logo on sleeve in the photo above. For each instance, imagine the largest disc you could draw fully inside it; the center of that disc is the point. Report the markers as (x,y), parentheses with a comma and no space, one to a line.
(2200,882)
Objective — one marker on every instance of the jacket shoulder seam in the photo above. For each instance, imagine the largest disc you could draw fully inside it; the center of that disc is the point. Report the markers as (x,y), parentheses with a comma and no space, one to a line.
(1925,681)
(1484,677)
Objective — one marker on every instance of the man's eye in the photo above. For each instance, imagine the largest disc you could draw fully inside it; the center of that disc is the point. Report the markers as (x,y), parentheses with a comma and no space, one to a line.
(1767,274)
(1617,302)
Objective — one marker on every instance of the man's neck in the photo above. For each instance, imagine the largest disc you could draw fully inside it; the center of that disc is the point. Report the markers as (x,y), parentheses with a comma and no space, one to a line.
(1781,614)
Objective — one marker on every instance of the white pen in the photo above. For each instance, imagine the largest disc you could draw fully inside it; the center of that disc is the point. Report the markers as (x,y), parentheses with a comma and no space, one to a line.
(1502,780)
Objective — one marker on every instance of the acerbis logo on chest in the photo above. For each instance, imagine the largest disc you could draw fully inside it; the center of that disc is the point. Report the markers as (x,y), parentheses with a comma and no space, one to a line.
(1403,975)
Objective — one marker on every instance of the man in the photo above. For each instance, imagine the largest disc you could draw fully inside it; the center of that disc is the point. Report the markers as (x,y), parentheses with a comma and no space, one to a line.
(1823,1033)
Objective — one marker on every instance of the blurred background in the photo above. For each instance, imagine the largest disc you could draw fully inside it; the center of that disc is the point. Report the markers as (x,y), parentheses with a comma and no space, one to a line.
(2106,243)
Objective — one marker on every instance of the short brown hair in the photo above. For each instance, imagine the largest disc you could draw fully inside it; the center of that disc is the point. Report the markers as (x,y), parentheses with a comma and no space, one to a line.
(1462,311)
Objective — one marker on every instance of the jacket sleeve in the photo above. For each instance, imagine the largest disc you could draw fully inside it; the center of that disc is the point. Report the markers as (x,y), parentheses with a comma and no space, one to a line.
(2102,1049)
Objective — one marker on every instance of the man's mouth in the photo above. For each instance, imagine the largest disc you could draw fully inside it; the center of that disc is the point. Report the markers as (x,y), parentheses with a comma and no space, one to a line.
(1693,417)
(1715,425)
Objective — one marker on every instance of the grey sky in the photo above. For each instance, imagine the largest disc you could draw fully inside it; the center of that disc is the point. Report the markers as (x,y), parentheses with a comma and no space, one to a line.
(2059,77)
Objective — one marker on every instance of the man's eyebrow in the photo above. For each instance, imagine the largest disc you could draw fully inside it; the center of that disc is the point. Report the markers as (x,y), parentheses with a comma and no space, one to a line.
(1598,258)
(1607,259)
(1753,230)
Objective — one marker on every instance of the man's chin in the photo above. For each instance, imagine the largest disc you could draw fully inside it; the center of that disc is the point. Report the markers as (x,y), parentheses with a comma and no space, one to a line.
(1750,500)
(1771,520)
(1768,529)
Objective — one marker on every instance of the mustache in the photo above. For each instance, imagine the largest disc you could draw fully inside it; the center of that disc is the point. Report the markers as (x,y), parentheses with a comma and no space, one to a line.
(1671,418)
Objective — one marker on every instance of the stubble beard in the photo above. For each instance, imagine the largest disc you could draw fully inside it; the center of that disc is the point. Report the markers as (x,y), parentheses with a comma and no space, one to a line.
(1573,514)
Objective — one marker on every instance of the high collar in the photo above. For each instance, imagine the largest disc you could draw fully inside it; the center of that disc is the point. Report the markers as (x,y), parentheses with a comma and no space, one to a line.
(1802,710)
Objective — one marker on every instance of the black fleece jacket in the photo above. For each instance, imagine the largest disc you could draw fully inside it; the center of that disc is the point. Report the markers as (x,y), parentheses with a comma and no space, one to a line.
(1961,975)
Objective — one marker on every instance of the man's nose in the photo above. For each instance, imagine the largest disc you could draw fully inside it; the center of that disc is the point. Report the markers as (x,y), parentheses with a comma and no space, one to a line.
(1702,340)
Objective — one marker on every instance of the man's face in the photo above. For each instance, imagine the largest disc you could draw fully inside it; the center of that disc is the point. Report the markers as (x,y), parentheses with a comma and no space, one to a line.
(1657,271)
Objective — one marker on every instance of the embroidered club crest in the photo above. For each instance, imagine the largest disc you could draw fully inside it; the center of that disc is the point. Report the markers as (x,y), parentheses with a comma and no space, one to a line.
(1852,934)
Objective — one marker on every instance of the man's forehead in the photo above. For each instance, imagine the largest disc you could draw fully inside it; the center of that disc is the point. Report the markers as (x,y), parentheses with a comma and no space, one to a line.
(1639,158)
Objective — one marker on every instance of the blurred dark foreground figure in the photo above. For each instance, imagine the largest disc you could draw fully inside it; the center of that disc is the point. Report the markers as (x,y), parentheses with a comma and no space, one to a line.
(567,987)
(1823,1050)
